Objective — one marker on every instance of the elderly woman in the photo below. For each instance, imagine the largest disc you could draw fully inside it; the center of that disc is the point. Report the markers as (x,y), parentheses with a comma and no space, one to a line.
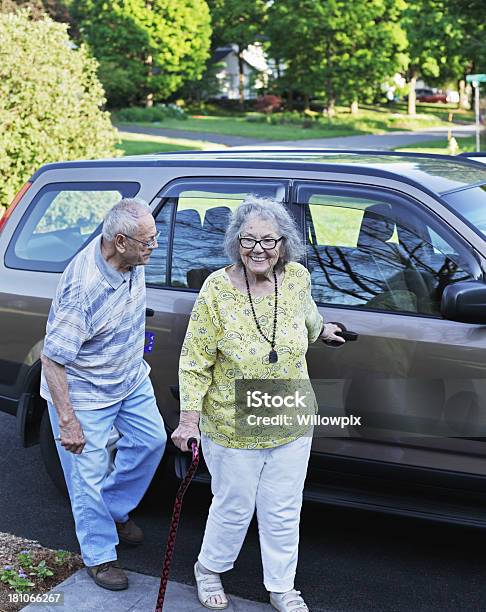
(252,320)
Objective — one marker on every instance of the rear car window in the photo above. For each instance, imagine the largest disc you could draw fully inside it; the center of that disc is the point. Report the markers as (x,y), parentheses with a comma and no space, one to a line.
(61,219)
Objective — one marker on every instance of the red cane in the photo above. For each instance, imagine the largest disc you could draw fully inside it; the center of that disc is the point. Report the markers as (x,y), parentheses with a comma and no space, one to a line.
(174,523)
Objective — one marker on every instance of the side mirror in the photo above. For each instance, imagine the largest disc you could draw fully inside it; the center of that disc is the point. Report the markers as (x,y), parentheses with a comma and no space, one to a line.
(464,301)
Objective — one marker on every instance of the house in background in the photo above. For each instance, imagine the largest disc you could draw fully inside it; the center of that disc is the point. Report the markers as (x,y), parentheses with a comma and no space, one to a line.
(256,70)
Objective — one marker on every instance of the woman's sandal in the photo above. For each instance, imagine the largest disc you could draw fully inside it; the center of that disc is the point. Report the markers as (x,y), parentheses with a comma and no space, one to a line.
(291,601)
(209,585)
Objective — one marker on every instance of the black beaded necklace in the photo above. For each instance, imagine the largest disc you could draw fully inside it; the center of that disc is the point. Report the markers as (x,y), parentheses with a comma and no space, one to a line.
(272,355)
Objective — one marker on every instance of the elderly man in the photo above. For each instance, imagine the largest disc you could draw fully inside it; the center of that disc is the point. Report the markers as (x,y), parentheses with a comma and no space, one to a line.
(94,377)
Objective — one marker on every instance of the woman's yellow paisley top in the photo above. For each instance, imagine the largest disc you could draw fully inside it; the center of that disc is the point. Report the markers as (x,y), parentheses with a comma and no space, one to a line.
(222,345)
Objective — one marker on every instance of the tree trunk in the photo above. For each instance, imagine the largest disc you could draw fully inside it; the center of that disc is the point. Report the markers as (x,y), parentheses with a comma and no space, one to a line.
(306,102)
(412,109)
(354,107)
(463,99)
(290,100)
(330,106)
(331,98)
(241,78)
(149,99)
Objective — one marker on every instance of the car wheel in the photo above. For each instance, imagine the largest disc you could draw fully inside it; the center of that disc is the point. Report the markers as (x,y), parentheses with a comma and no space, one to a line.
(49,454)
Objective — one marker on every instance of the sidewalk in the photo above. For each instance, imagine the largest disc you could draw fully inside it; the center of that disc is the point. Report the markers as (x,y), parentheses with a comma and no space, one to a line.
(81,594)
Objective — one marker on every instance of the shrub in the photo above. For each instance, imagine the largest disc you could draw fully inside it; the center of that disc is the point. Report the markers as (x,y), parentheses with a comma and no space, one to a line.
(50,100)
(268,104)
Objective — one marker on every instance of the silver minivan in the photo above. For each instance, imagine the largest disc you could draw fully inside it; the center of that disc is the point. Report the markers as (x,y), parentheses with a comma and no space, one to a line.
(396,248)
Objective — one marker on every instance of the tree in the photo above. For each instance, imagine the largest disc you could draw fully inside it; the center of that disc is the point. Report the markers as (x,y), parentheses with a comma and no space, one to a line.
(146,48)
(434,36)
(238,22)
(468,14)
(336,48)
(50,100)
(378,50)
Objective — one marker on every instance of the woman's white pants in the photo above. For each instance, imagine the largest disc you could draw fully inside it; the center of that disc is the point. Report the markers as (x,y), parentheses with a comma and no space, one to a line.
(270,480)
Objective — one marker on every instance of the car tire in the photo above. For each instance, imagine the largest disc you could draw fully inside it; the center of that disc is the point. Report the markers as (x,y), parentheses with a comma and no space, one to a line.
(49,454)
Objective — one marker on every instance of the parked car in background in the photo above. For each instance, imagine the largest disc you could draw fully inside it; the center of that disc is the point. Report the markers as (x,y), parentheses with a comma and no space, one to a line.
(430,95)
(396,250)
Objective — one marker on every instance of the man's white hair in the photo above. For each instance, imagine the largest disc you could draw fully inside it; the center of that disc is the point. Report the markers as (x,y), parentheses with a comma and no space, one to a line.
(124,217)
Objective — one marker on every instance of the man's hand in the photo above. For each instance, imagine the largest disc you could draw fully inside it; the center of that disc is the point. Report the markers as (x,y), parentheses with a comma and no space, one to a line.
(188,428)
(72,436)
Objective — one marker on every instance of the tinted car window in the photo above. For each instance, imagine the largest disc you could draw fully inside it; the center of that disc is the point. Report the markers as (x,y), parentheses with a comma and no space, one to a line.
(60,220)
(362,252)
(156,269)
(471,205)
(202,214)
(198,239)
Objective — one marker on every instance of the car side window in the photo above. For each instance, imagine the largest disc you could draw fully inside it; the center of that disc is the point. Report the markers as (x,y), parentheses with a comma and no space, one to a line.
(197,249)
(156,269)
(196,233)
(60,220)
(374,254)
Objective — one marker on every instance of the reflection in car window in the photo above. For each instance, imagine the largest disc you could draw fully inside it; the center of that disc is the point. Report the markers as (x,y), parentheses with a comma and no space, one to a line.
(198,239)
(362,253)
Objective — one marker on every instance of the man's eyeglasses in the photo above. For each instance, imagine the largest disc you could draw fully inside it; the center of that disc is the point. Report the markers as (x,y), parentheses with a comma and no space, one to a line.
(267,244)
(150,244)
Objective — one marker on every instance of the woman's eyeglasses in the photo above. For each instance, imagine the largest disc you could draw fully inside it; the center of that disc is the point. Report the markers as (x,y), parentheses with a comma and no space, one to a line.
(267,244)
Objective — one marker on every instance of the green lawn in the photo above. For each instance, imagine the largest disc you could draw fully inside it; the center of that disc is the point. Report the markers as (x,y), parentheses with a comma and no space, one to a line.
(240,126)
(369,120)
(439,110)
(140,144)
(134,147)
(441,146)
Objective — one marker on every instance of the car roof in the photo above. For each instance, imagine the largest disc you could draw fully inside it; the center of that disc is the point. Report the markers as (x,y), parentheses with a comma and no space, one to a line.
(439,174)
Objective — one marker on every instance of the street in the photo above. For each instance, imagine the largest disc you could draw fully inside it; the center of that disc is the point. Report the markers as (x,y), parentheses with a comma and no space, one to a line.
(350,561)
(387,141)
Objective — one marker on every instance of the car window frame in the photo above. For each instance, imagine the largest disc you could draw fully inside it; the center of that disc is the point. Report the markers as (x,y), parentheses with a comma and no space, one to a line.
(12,261)
(172,200)
(387,194)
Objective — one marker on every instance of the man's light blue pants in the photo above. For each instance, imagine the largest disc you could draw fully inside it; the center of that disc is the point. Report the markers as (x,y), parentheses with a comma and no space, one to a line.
(98,499)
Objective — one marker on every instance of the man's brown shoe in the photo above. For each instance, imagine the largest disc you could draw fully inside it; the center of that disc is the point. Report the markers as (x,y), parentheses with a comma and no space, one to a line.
(129,532)
(109,575)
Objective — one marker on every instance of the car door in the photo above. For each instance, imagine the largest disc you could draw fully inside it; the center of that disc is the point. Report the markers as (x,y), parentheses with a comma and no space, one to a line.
(379,262)
(192,217)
